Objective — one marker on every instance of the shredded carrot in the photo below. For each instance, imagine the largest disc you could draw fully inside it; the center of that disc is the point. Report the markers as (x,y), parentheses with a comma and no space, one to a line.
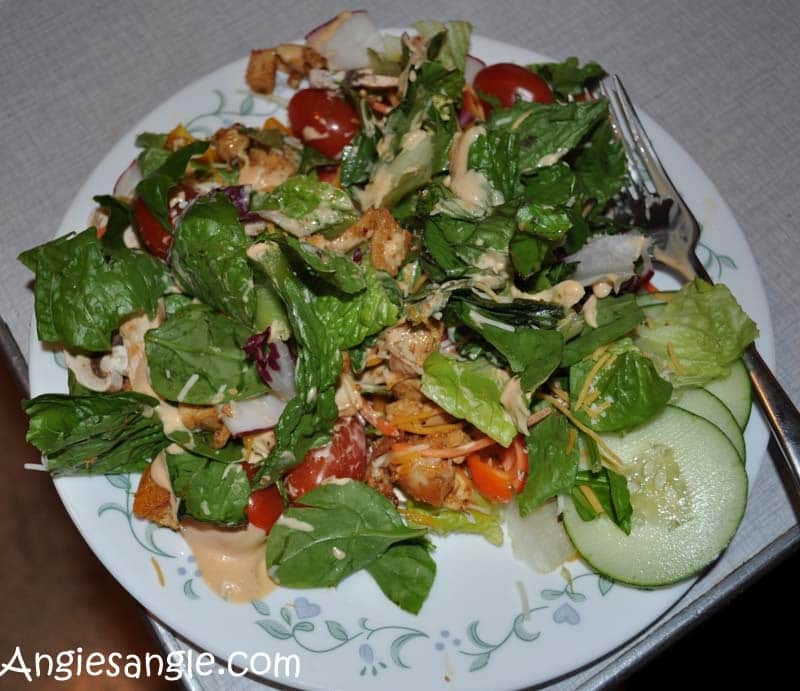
(591,497)
(538,416)
(378,421)
(612,459)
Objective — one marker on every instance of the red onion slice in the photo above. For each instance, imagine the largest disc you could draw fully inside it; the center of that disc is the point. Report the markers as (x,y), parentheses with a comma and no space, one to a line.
(254,414)
(126,183)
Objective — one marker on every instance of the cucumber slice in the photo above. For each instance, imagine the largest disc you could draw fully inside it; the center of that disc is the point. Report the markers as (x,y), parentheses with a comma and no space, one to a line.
(735,391)
(688,490)
(707,405)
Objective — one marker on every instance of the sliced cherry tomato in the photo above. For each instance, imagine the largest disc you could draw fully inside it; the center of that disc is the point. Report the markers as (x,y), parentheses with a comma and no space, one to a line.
(345,456)
(156,240)
(515,463)
(492,481)
(264,507)
(323,121)
(507,82)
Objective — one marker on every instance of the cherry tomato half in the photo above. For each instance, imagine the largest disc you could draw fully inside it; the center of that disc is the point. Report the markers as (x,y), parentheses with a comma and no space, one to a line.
(264,507)
(344,456)
(491,480)
(156,240)
(323,121)
(508,82)
(515,463)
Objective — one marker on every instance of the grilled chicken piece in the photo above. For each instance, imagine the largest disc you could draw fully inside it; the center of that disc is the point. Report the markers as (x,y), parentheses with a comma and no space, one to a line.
(408,345)
(390,242)
(351,238)
(298,61)
(265,170)
(231,144)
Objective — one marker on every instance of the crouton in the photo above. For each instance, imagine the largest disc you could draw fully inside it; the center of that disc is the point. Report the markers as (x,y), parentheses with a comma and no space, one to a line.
(297,62)
(154,502)
(261,69)
(390,242)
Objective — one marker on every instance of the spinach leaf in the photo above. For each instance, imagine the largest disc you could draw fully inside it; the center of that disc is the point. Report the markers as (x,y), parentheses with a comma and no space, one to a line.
(196,357)
(154,153)
(95,434)
(528,253)
(601,168)
(611,491)
(85,290)
(543,220)
(519,312)
(154,188)
(446,521)
(616,316)
(547,132)
(341,528)
(119,218)
(625,392)
(208,258)
(533,354)
(209,491)
(470,391)
(405,573)
(554,185)
(304,205)
(333,268)
(308,418)
(552,468)
(568,78)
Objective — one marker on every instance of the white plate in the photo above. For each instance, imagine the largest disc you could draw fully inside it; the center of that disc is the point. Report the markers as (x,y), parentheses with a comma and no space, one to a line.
(473,631)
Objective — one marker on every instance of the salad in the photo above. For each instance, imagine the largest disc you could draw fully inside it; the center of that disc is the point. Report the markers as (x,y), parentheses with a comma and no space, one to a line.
(416,307)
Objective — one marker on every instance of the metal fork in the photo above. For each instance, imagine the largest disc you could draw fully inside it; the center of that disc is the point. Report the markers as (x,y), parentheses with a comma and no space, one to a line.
(656,206)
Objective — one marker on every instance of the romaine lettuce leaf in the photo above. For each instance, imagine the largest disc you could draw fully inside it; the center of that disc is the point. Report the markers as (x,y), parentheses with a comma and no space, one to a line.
(444,521)
(568,78)
(453,52)
(95,434)
(196,357)
(611,490)
(698,335)
(84,290)
(208,258)
(304,205)
(601,167)
(338,270)
(470,391)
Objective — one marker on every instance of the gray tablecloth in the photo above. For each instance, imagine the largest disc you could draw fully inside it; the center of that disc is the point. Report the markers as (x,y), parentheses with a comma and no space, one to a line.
(718,75)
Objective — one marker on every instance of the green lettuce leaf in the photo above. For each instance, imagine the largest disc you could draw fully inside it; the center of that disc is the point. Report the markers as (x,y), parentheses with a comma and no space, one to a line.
(554,185)
(196,357)
(405,573)
(601,167)
(308,418)
(547,132)
(154,188)
(453,52)
(304,205)
(209,491)
(336,269)
(611,490)
(629,390)
(95,434)
(340,529)
(616,317)
(85,290)
(568,78)
(445,521)
(470,391)
(706,330)
(119,218)
(551,470)
(209,261)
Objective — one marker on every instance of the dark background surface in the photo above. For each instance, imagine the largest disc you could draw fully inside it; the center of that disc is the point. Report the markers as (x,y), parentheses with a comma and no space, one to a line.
(56,595)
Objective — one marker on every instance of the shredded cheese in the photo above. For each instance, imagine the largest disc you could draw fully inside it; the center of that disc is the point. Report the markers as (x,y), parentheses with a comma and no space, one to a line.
(573,436)
(612,460)
(587,383)
(676,364)
(591,497)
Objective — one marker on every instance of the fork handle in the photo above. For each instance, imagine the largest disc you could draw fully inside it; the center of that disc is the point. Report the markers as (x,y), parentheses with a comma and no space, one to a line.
(782,415)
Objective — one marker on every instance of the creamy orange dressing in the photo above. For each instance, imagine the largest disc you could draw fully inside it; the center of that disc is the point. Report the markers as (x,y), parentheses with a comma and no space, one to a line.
(468,185)
(232,560)
(567,293)
(589,311)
